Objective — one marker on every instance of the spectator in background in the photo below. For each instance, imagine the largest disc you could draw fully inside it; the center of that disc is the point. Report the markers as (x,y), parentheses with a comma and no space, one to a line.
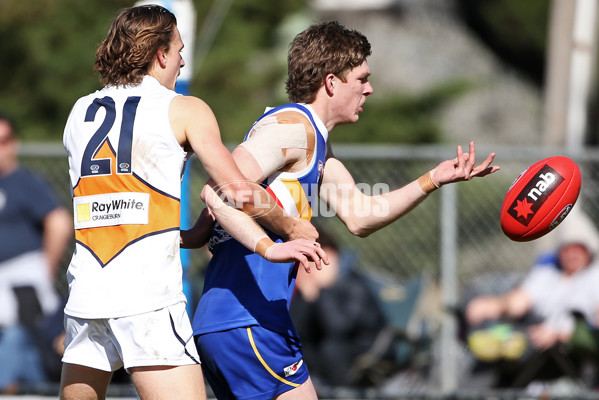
(563,281)
(336,315)
(34,233)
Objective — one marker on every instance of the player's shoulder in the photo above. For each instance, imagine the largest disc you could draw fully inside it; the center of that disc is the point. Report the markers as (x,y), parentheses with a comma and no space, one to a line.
(189,101)
(282,119)
(291,116)
(189,106)
(88,98)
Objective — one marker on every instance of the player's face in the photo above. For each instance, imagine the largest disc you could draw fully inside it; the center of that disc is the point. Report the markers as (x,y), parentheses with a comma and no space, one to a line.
(174,60)
(352,93)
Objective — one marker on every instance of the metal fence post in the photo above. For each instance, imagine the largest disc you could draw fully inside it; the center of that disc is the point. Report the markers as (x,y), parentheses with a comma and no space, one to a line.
(448,261)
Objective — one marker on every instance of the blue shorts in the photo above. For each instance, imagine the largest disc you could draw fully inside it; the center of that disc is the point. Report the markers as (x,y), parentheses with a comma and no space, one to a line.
(251,363)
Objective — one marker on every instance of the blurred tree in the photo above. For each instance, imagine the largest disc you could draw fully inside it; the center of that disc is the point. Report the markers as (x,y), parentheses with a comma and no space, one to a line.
(47,50)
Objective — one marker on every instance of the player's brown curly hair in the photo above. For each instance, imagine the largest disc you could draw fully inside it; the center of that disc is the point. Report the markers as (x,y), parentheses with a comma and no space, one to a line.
(321,49)
(135,35)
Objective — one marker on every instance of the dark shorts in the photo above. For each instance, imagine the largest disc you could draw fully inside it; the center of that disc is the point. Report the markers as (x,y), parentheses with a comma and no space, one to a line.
(251,363)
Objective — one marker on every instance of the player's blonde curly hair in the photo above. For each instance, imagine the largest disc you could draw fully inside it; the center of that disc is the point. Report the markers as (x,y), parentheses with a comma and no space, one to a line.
(135,35)
(321,49)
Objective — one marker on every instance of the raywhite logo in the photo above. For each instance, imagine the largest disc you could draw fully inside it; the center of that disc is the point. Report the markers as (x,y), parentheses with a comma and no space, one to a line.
(111,209)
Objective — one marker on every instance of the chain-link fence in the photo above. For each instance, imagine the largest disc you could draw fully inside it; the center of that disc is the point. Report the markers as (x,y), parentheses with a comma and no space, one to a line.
(414,243)
(454,235)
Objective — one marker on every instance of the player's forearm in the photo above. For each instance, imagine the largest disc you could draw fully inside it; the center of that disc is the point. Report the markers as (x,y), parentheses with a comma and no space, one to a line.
(268,214)
(236,222)
(364,215)
(243,228)
(255,201)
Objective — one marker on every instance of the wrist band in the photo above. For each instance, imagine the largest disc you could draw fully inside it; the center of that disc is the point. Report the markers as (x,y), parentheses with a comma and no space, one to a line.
(269,249)
(262,246)
(427,185)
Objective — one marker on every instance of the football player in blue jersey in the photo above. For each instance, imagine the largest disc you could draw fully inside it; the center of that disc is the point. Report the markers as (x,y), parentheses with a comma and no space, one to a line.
(244,333)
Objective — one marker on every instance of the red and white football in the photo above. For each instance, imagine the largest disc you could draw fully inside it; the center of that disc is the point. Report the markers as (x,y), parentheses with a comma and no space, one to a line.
(540,198)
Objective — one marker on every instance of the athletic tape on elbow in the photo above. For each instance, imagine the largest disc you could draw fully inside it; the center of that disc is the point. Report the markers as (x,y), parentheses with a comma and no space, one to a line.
(267,141)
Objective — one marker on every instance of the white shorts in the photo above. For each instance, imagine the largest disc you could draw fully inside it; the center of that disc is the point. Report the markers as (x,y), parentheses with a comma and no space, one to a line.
(161,337)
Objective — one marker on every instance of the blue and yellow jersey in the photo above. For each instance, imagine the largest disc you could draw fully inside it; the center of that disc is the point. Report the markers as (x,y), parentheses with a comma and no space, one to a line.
(241,288)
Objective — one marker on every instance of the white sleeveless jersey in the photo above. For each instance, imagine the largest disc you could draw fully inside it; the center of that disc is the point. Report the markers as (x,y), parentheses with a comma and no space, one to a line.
(125,166)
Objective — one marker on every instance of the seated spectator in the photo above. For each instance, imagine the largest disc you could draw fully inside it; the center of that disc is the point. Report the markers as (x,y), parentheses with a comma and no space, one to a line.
(336,315)
(562,284)
(34,232)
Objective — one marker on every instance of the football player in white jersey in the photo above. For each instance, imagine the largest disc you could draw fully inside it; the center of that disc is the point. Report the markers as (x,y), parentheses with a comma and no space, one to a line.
(127,145)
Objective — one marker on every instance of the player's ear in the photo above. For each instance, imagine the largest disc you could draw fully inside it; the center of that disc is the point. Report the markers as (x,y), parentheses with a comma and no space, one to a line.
(161,57)
(329,83)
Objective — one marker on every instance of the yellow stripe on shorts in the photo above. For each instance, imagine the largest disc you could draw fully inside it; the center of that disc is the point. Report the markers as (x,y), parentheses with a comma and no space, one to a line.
(257,353)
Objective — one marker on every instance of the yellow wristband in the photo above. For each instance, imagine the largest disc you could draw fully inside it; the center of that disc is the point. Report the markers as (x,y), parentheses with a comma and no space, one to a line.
(262,245)
(427,185)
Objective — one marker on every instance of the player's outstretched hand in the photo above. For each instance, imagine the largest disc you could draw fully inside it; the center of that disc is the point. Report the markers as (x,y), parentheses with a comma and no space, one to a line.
(306,252)
(462,168)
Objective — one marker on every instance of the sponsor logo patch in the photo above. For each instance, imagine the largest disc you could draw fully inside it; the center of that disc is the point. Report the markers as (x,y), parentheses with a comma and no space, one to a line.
(293,368)
(111,209)
(534,194)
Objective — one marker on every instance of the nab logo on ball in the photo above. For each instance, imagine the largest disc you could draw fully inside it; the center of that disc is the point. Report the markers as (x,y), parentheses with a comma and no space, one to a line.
(534,195)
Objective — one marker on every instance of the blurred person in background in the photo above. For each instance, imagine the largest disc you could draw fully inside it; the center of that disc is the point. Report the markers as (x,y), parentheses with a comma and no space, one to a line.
(540,311)
(35,231)
(336,315)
